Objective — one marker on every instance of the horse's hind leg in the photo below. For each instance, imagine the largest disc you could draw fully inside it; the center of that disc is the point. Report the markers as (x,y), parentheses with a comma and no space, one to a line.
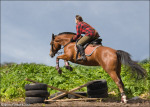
(67,65)
(117,79)
(123,96)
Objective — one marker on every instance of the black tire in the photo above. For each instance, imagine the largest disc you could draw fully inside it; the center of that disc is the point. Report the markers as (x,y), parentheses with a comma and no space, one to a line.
(37,93)
(97,92)
(80,93)
(104,95)
(36,86)
(58,93)
(32,100)
(97,84)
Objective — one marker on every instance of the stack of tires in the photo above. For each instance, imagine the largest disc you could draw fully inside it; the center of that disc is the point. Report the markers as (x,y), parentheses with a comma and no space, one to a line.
(97,89)
(36,93)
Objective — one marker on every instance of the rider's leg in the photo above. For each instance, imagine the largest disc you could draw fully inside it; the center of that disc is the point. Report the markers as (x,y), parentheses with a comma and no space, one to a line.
(82,53)
(85,39)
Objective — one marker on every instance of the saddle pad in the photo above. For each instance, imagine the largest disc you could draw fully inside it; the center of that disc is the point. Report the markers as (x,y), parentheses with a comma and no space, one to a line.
(89,49)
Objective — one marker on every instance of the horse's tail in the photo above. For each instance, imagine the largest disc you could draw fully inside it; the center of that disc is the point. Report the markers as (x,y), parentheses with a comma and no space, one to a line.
(125,59)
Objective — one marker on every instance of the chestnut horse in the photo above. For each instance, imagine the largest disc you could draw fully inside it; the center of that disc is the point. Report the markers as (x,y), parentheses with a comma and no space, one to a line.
(106,57)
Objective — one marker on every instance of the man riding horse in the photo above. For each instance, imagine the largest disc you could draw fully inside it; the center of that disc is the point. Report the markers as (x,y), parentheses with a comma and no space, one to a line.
(90,35)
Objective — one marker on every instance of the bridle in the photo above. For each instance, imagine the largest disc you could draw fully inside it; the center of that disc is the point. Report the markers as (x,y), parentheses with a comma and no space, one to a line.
(53,45)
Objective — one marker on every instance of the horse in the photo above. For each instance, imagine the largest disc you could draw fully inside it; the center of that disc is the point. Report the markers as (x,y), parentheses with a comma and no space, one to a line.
(109,59)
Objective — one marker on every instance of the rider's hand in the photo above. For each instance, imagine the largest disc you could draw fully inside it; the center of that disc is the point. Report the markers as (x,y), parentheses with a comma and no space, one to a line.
(72,40)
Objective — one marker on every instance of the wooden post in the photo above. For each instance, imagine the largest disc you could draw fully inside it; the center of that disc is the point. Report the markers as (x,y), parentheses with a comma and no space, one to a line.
(81,99)
(63,94)
(66,92)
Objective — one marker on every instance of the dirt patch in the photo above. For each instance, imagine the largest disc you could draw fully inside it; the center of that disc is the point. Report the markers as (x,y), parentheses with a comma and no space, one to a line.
(106,102)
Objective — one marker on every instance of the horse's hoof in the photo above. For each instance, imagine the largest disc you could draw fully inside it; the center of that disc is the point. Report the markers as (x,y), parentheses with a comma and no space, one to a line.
(123,99)
(69,68)
(59,71)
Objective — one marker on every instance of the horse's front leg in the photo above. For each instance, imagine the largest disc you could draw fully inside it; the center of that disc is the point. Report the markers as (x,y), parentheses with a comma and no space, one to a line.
(67,65)
(64,57)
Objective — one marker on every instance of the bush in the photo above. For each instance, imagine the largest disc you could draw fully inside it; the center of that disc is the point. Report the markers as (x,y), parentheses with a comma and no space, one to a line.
(13,79)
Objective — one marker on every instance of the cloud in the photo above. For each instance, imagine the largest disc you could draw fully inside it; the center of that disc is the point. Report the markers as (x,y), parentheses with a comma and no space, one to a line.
(27,26)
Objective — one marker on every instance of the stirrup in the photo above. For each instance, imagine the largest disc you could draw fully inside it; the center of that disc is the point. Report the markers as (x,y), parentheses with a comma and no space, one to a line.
(82,58)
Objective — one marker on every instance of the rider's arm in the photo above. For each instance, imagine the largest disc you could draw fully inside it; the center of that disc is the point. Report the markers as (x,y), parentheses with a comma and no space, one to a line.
(79,31)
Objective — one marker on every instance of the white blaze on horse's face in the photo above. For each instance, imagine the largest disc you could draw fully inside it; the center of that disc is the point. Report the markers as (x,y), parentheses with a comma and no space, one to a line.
(52,54)
(55,46)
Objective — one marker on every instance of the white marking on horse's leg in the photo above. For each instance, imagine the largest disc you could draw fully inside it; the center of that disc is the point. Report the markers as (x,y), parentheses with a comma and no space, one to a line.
(57,66)
(66,63)
(124,99)
(57,63)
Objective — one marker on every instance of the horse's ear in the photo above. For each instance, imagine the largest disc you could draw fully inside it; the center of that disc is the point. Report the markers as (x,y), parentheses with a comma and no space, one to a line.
(53,36)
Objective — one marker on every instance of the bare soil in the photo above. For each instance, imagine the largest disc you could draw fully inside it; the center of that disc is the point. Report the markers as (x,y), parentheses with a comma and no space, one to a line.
(102,103)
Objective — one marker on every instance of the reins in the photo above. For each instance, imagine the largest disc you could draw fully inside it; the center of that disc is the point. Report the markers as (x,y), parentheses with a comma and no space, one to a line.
(62,48)
(65,45)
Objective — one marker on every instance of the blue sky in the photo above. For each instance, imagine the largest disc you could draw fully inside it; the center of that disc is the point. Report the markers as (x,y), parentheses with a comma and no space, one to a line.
(26,27)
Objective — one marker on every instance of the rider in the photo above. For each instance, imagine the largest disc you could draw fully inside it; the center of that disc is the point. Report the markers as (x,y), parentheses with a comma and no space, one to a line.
(90,35)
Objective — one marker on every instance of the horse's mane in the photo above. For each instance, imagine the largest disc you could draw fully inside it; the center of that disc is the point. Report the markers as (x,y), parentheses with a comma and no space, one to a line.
(67,33)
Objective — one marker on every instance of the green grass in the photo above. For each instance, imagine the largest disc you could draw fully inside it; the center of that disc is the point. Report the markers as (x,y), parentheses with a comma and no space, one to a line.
(13,79)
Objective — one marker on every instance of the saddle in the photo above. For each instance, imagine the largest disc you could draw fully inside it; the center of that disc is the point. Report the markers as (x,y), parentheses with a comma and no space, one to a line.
(90,47)
(94,43)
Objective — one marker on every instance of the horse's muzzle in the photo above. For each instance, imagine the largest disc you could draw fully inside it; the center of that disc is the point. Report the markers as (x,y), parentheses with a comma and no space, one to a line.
(51,55)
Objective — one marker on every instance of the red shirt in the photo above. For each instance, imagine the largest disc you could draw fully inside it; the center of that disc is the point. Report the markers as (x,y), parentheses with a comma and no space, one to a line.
(84,28)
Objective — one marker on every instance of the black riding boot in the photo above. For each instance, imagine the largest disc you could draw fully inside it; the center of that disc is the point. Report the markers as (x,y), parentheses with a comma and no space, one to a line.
(82,53)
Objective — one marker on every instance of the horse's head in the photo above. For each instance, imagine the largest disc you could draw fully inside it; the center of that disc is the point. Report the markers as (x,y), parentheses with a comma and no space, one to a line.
(55,46)
(60,40)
